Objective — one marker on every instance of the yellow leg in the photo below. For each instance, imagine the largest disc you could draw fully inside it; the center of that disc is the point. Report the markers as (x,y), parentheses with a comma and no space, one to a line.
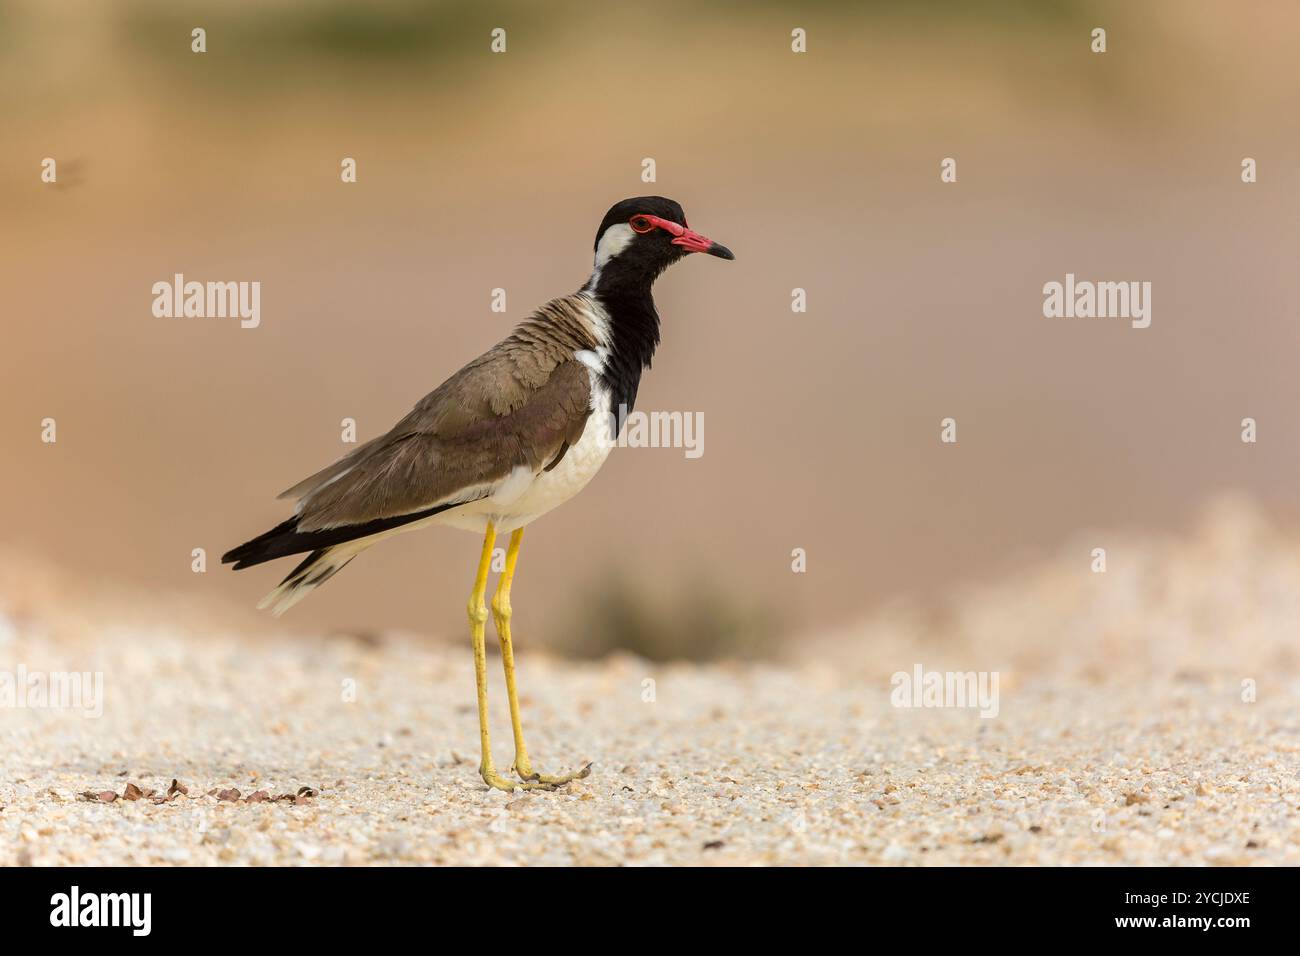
(477,624)
(501,613)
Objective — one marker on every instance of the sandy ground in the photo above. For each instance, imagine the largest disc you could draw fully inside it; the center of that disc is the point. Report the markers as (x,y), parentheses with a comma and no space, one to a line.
(1123,736)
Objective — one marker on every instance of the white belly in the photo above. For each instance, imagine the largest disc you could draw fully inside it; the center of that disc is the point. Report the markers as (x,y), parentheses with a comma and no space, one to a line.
(524,498)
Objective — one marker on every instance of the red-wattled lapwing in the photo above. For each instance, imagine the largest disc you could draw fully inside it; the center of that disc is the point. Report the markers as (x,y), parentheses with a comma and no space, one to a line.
(514,433)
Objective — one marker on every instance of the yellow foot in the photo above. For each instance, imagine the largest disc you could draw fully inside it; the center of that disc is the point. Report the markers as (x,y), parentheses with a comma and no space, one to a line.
(527,773)
(498,782)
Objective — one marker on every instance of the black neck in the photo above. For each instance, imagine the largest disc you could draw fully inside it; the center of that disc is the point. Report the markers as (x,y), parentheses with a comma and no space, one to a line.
(624,292)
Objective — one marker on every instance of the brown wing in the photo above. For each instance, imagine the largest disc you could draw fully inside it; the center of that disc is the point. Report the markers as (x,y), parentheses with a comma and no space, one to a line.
(514,406)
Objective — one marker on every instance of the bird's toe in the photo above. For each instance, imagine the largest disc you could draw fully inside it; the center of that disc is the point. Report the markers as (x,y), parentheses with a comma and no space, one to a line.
(498,782)
(559,780)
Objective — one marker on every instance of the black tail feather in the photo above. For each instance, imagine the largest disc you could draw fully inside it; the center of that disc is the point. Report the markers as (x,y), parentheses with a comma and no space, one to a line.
(285,538)
(260,549)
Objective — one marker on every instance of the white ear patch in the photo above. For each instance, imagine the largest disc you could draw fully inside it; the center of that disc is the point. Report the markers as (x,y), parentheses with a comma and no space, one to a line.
(613,241)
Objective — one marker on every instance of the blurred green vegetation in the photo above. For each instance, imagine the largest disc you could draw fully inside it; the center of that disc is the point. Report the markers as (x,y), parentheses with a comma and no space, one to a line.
(986,12)
(328,28)
(8,26)
(264,40)
(263,47)
(699,621)
(419,32)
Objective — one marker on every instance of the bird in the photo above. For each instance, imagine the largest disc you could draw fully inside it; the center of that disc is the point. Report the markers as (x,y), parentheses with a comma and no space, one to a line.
(512,435)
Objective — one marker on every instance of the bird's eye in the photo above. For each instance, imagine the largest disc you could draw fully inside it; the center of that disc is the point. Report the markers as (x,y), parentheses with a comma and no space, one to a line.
(641,224)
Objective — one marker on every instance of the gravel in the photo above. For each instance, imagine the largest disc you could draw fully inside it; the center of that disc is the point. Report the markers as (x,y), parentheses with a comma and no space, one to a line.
(726,765)
(1123,736)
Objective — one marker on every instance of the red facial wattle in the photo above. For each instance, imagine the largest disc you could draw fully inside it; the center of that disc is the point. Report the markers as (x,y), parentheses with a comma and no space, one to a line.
(688,239)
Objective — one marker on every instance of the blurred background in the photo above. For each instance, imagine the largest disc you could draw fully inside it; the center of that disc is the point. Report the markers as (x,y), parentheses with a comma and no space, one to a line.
(478,171)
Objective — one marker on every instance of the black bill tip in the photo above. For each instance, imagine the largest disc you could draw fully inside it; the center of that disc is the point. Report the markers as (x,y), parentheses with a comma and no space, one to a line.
(721,251)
